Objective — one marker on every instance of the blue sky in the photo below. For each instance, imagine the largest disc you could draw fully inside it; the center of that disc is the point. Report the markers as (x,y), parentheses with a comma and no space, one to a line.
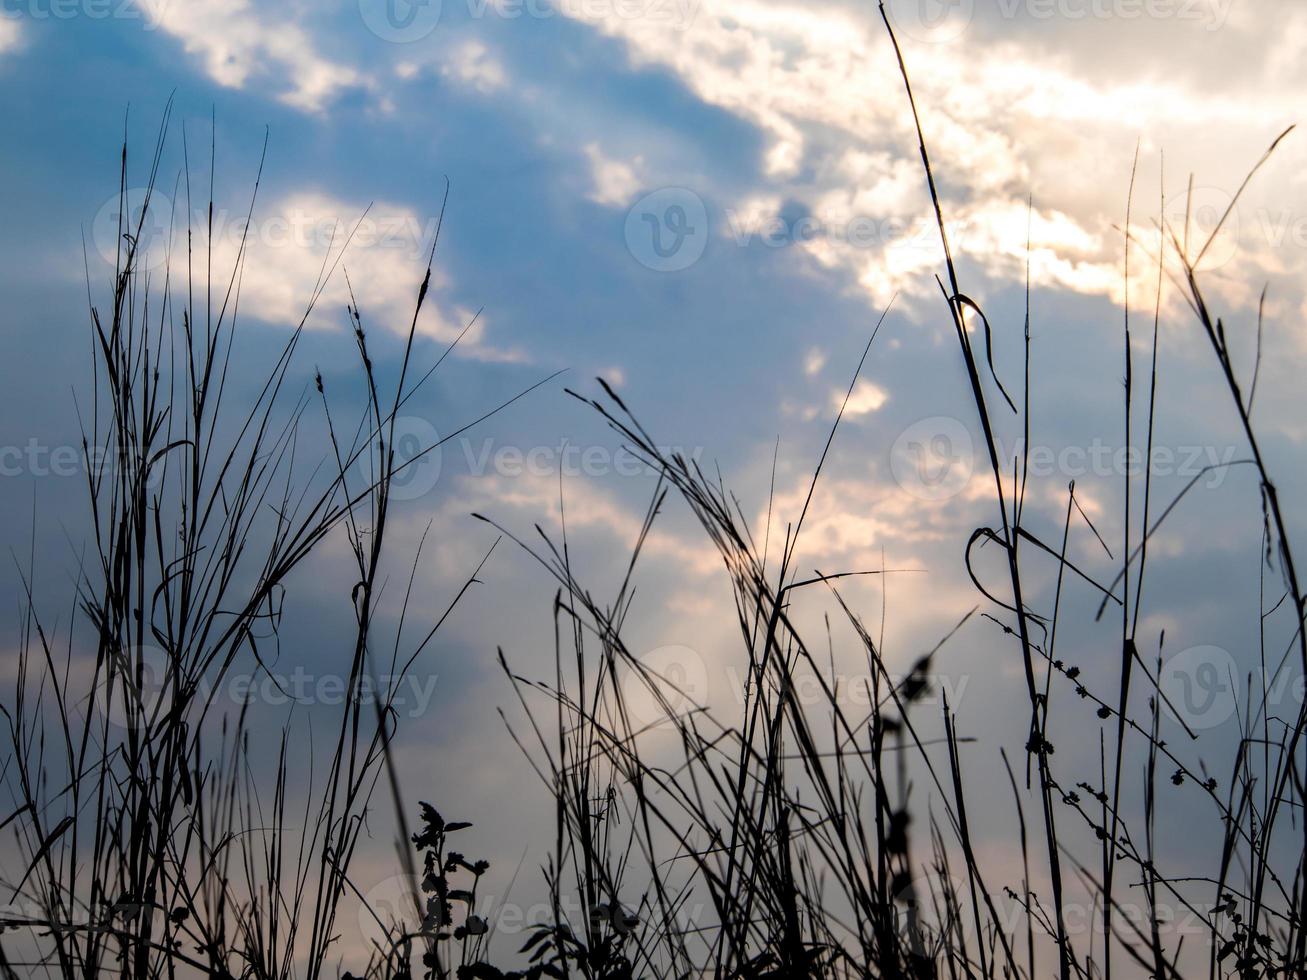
(710,204)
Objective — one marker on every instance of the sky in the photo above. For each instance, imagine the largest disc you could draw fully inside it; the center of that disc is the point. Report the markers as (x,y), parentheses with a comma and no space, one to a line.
(710,204)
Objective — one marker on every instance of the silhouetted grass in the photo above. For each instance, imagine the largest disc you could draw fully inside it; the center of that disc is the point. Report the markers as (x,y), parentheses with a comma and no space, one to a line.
(790,822)
(156,841)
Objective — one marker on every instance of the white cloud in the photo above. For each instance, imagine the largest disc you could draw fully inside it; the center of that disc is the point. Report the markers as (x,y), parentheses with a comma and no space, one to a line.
(10,35)
(1003,120)
(469,64)
(863,400)
(615,181)
(858,520)
(473,65)
(290,243)
(529,492)
(238,45)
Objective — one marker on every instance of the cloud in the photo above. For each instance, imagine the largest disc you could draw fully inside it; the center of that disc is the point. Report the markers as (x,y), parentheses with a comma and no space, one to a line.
(864,399)
(1004,120)
(292,243)
(473,65)
(238,45)
(1013,117)
(10,35)
(1009,120)
(615,181)
(524,488)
